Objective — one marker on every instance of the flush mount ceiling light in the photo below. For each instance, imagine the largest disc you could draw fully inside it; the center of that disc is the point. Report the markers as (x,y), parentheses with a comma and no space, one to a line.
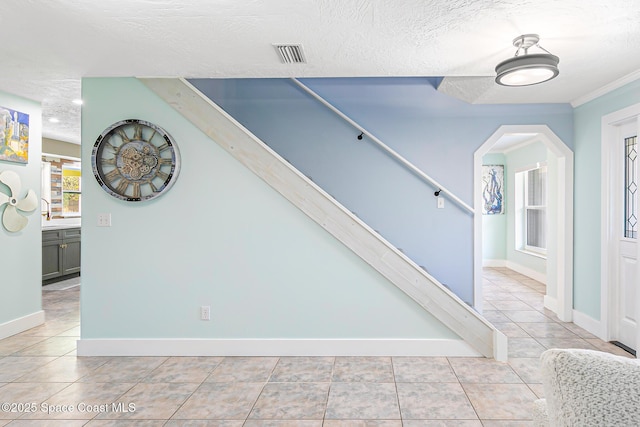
(527,69)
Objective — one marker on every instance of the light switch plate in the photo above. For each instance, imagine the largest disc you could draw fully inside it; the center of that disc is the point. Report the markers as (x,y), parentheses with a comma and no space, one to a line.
(104,220)
(440,203)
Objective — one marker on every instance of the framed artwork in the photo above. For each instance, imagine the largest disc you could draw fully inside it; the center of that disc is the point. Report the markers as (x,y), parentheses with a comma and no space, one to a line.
(492,189)
(14,136)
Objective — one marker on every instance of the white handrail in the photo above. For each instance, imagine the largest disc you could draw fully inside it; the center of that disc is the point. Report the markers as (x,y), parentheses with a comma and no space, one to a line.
(385,147)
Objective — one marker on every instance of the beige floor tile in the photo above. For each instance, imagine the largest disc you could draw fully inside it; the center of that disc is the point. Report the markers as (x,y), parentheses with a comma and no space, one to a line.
(47,423)
(565,343)
(363,423)
(150,401)
(501,401)
(507,423)
(88,400)
(499,296)
(528,368)
(220,401)
(363,369)
(13,367)
(525,347)
(73,332)
(441,423)
(527,316)
(17,343)
(495,316)
(183,370)
(64,369)
(423,369)
(291,401)
(547,330)
(124,369)
(125,423)
(243,369)
(283,423)
(205,423)
(32,393)
(578,331)
(511,330)
(434,401)
(303,369)
(511,305)
(363,401)
(538,389)
(481,370)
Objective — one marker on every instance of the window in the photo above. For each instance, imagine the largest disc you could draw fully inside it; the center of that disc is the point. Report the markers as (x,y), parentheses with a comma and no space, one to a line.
(631,187)
(71,189)
(531,200)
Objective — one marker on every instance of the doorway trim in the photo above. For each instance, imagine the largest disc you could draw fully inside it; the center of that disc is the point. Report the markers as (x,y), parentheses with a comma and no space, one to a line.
(564,220)
(608,265)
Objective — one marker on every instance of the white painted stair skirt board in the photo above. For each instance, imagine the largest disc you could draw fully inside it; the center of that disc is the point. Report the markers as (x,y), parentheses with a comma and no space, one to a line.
(332,216)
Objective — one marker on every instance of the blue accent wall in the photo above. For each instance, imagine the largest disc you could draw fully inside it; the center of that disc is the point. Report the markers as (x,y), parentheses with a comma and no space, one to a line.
(436,132)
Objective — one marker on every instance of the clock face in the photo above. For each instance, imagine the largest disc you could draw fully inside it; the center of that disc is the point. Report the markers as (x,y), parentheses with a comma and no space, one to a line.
(135,160)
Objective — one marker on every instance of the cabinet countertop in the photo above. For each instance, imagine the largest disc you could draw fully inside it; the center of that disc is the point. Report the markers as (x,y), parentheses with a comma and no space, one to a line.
(59,227)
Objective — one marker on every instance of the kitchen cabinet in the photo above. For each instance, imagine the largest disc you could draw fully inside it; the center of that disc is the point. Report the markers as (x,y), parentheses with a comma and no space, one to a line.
(60,253)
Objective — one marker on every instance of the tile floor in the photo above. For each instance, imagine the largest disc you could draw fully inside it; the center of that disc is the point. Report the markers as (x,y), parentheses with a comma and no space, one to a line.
(40,367)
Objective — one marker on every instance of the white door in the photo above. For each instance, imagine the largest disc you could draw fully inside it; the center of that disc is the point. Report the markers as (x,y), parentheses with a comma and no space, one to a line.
(627,213)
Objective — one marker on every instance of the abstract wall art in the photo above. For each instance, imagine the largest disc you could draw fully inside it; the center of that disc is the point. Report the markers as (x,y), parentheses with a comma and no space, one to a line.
(492,189)
(14,136)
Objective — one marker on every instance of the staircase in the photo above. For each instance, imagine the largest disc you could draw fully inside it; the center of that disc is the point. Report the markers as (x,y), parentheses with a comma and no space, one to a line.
(332,216)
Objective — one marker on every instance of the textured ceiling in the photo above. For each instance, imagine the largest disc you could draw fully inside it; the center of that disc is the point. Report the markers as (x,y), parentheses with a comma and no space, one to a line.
(49,45)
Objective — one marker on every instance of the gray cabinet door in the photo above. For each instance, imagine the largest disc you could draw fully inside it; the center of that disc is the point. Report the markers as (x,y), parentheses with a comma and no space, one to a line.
(51,259)
(60,253)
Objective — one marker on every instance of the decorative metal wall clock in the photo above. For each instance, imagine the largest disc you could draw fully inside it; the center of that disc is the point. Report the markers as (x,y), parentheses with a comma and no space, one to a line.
(135,160)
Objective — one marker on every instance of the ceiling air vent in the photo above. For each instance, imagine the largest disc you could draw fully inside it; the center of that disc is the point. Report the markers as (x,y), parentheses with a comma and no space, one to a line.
(290,53)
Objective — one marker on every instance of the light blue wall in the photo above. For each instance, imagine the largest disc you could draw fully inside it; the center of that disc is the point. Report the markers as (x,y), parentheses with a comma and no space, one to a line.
(435,132)
(494,227)
(518,160)
(587,227)
(220,237)
(21,260)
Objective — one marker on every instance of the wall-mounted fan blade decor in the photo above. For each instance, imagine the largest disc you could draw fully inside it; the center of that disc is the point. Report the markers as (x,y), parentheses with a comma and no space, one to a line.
(13,219)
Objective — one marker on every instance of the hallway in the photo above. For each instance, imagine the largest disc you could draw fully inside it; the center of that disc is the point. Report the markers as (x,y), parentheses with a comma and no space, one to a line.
(40,366)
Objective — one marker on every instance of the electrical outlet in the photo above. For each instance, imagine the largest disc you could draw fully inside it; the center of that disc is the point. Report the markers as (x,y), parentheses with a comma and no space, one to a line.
(440,203)
(104,220)
(205,312)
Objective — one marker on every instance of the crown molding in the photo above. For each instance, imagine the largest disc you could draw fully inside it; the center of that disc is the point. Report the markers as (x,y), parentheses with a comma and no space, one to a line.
(606,89)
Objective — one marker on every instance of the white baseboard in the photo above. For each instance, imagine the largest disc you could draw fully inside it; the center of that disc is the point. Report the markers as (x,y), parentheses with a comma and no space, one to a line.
(535,275)
(275,347)
(589,324)
(21,324)
(551,303)
(495,263)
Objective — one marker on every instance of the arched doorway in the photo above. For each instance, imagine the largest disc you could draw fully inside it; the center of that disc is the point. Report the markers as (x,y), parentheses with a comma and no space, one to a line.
(560,256)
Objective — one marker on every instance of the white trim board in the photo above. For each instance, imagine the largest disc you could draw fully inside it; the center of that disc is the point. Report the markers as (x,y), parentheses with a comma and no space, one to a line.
(21,324)
(275,347)
(589,324)
(318,205)
(610,87)
(525,271)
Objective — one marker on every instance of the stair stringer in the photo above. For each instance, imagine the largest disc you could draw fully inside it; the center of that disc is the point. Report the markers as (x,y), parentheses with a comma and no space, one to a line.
(331,215)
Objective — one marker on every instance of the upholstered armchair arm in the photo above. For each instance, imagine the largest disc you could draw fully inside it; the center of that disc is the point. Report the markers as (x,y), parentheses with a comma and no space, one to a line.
(590,388)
